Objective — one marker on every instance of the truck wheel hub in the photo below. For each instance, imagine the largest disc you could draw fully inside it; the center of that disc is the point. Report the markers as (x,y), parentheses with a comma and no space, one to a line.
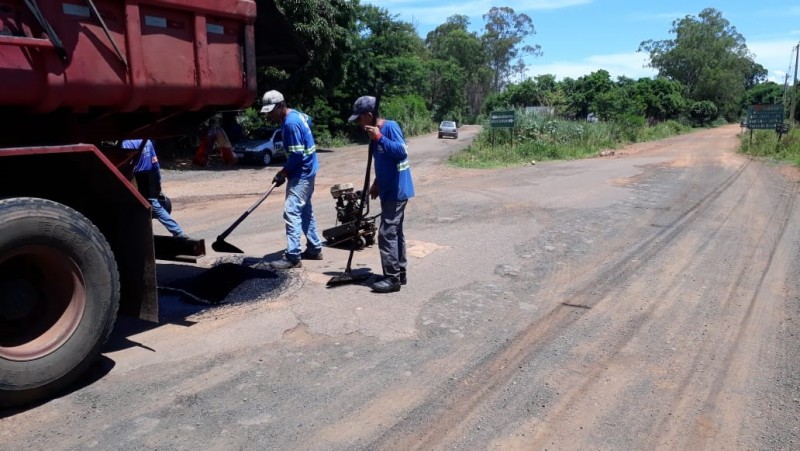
(42,299)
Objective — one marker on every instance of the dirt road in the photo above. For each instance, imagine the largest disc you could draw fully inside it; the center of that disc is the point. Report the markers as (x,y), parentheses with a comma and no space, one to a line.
(647,300)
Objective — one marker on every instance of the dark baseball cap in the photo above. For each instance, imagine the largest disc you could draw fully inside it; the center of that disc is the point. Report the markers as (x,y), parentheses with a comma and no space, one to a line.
(363,104)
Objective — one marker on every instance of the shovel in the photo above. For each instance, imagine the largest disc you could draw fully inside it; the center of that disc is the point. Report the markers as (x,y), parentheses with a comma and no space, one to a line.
(347,277)
(221,245)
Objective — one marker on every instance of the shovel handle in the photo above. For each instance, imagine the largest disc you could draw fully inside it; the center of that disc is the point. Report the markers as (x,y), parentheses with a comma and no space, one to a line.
(246,214)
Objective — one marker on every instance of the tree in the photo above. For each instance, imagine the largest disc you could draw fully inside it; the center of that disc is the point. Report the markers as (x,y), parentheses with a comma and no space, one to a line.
(581,93)
(460,54)
(505,31)
(662,99)
(769,93)
(387,49)
(702,113)
(709,57)
(325,29)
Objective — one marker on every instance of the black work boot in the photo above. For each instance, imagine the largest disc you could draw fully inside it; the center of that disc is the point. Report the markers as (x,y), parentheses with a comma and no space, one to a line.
(386,285)
(308,254)
(285,263)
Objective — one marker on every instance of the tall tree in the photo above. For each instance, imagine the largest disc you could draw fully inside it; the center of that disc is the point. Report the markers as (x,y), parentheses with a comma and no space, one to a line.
(325,28)
(709,57)
(458,69)
(505,31)
(388,49)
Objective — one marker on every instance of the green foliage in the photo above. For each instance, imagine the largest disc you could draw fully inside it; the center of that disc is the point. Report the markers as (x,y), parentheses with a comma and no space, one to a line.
(710,58)
(627,128)
(582,93)
(768,93)
(447,82)
(459,74)
(410,112)
(764,143)
(505,31)
(703,113)
(546,138)
(251,119)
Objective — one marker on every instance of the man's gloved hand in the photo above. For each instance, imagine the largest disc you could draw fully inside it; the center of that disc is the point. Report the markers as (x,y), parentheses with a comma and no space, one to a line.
(279,179)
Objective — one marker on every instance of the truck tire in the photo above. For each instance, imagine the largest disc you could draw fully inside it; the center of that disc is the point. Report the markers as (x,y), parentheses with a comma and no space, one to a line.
(59,294)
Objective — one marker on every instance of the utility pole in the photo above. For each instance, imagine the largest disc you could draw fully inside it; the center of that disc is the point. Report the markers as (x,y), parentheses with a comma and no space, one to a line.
(786,85)
(794,85)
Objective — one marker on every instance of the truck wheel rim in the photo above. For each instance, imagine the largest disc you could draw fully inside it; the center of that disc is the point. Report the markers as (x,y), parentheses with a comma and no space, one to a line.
(42,300)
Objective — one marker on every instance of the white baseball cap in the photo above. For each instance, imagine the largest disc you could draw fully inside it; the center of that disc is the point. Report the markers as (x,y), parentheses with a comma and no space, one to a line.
(270,99)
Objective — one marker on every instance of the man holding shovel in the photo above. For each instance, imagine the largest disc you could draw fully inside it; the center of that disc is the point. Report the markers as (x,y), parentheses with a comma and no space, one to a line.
(394,186)
(299,171)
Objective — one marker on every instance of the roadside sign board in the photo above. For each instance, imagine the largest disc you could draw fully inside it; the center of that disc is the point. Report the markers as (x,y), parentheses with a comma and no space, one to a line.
(501,119)
(764,117)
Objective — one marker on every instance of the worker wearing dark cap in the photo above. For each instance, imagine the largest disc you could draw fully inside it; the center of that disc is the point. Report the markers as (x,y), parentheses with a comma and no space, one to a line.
(393,185)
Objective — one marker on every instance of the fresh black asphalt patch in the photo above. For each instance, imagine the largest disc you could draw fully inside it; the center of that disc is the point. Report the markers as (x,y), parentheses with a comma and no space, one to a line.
(215,284)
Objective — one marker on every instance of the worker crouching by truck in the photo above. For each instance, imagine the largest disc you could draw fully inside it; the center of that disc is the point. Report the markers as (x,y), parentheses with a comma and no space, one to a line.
(147,174)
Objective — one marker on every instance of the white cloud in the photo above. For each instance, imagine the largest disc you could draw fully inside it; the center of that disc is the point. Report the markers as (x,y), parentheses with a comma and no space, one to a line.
(427,15)
(538,5)
(776,56)
(631,65)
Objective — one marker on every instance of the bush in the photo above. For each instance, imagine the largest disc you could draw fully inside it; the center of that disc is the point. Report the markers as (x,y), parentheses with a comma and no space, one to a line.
(548,138)
(410,112)
(764,143)
(703,113)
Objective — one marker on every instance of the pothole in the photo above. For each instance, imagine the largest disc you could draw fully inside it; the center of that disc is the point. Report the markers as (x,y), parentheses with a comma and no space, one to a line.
(225,283)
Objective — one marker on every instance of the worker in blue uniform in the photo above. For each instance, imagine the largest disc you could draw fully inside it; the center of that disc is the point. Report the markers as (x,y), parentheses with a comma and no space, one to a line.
(299,172)
(394,186)
(147,174)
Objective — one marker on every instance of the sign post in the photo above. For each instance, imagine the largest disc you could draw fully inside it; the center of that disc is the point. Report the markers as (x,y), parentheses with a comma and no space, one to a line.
(502,119)
(764,117)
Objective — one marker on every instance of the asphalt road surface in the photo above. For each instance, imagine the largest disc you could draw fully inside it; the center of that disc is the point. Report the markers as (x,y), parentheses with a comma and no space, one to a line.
(647,300)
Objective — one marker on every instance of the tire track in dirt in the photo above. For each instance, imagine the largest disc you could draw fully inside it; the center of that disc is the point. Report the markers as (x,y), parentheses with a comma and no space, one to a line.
(704,372)
(435,424)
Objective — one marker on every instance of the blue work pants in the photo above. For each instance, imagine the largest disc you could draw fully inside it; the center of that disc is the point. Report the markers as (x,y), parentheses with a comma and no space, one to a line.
(160,213)
(299,217)
(391,240)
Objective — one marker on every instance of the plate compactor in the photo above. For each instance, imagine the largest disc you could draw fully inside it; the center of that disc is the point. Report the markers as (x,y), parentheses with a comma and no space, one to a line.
(344,234)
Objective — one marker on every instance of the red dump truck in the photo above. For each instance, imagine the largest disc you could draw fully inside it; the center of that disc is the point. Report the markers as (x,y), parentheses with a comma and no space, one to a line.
(76,238)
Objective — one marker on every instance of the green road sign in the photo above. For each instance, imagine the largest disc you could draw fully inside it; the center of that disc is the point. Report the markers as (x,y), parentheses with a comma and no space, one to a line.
(765,117)
(501,119)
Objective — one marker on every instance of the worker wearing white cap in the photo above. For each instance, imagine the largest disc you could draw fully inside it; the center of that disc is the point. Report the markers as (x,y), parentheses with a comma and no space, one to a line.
(300,172)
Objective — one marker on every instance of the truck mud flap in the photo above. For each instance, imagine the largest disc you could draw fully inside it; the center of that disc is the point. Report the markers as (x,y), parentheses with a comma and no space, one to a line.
(178,249)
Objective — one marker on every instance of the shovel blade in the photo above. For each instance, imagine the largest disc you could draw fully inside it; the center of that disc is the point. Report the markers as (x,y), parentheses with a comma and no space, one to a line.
(222,246)
(347,278)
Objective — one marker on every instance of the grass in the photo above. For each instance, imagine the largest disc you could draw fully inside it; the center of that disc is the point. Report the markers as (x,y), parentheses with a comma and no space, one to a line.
(765,144)
(539,138)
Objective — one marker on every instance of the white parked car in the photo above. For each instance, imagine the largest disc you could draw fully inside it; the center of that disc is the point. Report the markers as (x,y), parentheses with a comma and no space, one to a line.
(261,147)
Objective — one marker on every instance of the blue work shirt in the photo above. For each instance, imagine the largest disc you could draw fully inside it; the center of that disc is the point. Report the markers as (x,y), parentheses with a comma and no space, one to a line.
(301,159)
(391,164)
(147,170)
(148,159)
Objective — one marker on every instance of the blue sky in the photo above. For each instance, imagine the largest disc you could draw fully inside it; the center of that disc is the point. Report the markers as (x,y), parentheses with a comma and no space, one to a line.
(578,37)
